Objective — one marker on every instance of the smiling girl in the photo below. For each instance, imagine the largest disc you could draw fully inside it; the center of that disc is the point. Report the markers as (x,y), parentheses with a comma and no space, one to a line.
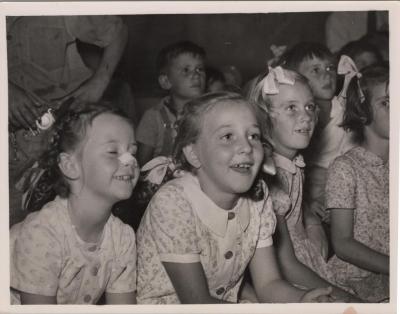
(73,250)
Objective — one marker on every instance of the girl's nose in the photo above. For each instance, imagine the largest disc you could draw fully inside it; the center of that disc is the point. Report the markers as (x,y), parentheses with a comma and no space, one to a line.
(245,146)
(126,159)
(306,115)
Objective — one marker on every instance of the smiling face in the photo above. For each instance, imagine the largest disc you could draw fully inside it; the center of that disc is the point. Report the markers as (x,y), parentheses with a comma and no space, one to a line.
(321,75)
(380,110)
(107,171)
(228,150)
(293,117)
(186,76)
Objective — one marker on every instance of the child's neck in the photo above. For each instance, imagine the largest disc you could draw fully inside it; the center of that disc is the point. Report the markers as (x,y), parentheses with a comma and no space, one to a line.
(88,216)
(324,115)
(177,104)
(376,144)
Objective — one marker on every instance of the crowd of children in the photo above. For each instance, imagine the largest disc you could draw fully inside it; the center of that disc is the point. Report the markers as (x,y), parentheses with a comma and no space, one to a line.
(226,185)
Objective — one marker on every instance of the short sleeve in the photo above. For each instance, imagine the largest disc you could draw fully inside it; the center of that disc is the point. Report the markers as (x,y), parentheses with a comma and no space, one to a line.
(268,223)
(36,258)
(341,185)
(123,276)
(147,130)
(99,30)
(281,202)
(173,226)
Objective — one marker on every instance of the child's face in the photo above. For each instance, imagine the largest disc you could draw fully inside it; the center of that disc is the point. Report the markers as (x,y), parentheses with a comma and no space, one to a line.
(186,76)
(380,109)
(321,75)
(293,116)
(229,150)
(103,174)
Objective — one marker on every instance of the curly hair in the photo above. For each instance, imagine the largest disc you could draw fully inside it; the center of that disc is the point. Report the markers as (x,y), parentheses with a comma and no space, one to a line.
(67,133)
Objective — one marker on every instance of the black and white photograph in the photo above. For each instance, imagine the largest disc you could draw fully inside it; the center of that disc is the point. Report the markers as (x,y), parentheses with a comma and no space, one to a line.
(236,157)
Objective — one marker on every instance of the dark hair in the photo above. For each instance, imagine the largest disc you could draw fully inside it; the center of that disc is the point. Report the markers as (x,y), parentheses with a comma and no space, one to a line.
(292,58)
(67,133)
(359,113)
(170,52)
(213,74)
(356,48)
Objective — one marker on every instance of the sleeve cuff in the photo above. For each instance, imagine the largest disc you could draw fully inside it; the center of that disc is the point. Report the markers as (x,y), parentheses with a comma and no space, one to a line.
(265,243)
(180,258)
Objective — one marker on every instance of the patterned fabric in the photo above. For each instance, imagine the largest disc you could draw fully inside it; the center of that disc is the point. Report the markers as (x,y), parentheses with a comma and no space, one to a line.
(287,195)
(182,225)
(152,128)
(359,181)
(49,258)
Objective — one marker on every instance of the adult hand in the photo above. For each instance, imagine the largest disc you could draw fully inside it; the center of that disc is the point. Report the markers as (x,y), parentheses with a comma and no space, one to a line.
(318,295)
(23,109)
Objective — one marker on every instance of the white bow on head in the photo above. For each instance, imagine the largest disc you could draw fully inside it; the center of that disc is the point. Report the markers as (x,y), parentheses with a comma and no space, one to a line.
(157,169)
(348,68)
(277,74)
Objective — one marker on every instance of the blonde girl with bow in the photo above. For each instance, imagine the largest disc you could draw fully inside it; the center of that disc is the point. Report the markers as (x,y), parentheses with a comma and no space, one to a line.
(203,229)
(73,250)
(357,189)
(291,114)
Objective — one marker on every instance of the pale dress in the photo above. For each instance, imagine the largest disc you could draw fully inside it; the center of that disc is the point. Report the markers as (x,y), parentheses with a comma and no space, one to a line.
(182,225)
(359,181)
(48,258)
(287,195)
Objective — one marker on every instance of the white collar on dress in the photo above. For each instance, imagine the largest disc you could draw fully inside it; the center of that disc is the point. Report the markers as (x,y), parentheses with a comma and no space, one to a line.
(287,164)
(213,216)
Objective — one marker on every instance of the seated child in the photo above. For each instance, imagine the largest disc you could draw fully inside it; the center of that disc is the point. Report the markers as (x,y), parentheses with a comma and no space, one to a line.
(74,250)
(317,64)
(201,230)
(357,190)
(181,72)
(291,115)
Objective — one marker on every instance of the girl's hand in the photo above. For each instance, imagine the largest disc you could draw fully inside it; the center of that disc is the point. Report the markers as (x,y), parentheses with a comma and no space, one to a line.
(319,295)
(317,236)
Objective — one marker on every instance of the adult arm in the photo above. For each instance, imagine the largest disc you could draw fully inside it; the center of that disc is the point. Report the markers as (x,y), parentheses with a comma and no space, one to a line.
(29,298)
(113,41)
(349,249)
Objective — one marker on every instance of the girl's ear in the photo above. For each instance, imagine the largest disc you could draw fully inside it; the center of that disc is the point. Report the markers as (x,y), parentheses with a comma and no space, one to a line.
(69,166)
(191,156)
(164,82)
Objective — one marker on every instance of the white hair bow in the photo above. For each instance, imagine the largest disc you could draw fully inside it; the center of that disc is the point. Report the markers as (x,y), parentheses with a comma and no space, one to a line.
(157,168)
(348,68)
(277,74)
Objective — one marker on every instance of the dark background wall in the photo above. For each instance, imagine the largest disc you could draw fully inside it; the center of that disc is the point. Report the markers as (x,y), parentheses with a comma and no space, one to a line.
(242,40)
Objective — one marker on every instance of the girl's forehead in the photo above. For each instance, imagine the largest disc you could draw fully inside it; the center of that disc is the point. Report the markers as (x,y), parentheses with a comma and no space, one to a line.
(314,60)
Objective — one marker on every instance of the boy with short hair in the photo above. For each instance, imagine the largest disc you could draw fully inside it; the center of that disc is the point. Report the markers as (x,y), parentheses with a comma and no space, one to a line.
(180,71)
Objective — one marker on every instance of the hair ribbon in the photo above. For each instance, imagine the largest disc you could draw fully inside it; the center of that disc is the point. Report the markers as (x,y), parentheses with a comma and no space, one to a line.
(348,68)
(277,74)
(157,169)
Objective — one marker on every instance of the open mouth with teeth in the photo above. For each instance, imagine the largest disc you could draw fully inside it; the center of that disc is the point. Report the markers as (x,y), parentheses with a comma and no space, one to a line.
(306,131)
(126,178)
(242,167)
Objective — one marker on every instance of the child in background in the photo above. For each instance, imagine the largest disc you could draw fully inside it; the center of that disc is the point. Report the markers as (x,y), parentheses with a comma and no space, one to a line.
(202,230)
(215,80)
(291,115)
(73,249)
(181,72)
(357,190)
(362,53)
(317,64)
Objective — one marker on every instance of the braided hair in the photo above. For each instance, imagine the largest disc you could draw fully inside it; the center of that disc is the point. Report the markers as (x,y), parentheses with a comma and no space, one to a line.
(67,133)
